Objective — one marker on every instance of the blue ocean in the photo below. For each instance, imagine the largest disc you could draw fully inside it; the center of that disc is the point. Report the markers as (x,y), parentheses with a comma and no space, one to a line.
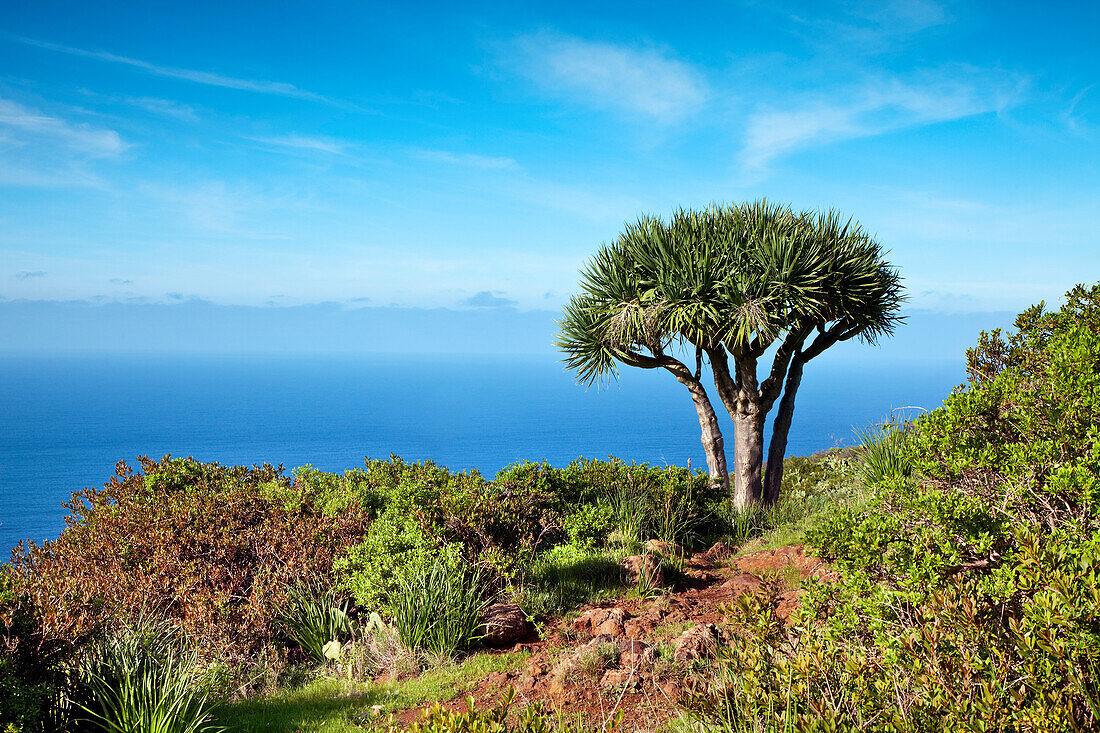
(68,419)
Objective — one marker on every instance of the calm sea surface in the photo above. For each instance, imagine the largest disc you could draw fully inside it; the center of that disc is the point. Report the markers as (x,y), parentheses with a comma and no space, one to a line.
(67,420)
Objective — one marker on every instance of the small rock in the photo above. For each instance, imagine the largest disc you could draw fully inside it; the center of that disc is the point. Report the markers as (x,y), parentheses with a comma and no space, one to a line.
(617,677)
(698,642)
(743,583)
(644,567)
(718,551)
(665,549)
(535,668)
(496,679)
(633,654)
(613,624)
(591,619)
(675,616)
(504,623)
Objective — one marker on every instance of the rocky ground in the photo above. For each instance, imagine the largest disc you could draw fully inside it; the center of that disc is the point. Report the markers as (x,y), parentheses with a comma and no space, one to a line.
(642,655)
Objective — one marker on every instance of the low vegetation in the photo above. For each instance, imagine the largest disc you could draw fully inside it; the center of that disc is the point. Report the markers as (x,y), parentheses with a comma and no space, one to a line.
(190,596)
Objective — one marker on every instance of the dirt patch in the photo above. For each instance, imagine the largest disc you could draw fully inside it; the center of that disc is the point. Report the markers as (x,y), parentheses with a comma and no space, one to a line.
(635,655)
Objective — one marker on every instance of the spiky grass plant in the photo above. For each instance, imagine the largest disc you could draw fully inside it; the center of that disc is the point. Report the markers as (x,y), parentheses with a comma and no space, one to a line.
(630,516)
(314,617)
(143,679)
(882,450)
(439,609)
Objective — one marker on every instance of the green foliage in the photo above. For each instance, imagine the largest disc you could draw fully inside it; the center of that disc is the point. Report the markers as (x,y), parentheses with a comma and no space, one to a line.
(726,274)
(313,617)
(883,455)
(438,609)
(812,486)
(568,577)
(142,680)
(590,525)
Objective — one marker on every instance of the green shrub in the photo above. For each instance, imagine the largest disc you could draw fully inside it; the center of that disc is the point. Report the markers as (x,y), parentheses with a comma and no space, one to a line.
(589,526)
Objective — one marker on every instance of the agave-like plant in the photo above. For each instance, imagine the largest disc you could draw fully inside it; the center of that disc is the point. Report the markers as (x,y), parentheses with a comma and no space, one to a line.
(142,679)
(728,285)
(317,620)
(439,609)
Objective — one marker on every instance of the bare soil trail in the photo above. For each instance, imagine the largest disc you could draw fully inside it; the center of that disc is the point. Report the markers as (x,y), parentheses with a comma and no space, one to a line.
(638,654)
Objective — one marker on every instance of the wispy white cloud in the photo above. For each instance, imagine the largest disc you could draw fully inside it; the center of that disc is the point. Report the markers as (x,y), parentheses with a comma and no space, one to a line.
(874,107)
(209,78)
(304,143)
(44,151)
(645,81)
(1070,117)
(165,107)
(467,159)
(27,126)
(858,25)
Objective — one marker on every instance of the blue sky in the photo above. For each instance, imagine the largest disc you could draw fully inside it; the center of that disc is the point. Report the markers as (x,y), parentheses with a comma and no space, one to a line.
(471,156)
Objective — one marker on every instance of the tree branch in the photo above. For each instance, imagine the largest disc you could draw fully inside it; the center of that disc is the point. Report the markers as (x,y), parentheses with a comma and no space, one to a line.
(771,388)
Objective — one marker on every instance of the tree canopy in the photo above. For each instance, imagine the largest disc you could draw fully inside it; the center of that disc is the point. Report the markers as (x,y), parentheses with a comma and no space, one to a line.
(731,283)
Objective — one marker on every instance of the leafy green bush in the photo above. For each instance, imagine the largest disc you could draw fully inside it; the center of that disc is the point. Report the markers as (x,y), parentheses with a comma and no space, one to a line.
(971,591)
(590,525)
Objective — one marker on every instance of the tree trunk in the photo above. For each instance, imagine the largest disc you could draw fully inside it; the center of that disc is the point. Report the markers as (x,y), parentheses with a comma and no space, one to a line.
(781,426)
(748,438)
(711,438)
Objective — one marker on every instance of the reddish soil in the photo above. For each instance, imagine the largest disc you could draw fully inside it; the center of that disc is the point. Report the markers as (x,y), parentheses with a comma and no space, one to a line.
(562,672)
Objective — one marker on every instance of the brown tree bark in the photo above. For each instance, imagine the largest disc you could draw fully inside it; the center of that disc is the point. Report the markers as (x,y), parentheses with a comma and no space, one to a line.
(711,437)
(781,427)
(710,431)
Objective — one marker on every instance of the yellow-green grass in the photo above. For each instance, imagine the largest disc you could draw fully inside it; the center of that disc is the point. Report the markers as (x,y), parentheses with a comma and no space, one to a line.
(328,705)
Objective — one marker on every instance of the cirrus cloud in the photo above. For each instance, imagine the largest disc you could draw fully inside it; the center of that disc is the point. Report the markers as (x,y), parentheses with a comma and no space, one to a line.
(644,81)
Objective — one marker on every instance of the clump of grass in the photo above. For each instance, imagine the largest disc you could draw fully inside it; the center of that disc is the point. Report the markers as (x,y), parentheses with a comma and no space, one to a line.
(601,657)
(629,513)
(882,451)
(314,618)
(438,610)
(378,650)
(142,679)
(568,577)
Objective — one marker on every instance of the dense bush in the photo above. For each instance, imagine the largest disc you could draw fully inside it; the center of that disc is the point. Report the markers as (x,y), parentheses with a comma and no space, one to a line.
(971,592)
(31,683)
(213,548)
